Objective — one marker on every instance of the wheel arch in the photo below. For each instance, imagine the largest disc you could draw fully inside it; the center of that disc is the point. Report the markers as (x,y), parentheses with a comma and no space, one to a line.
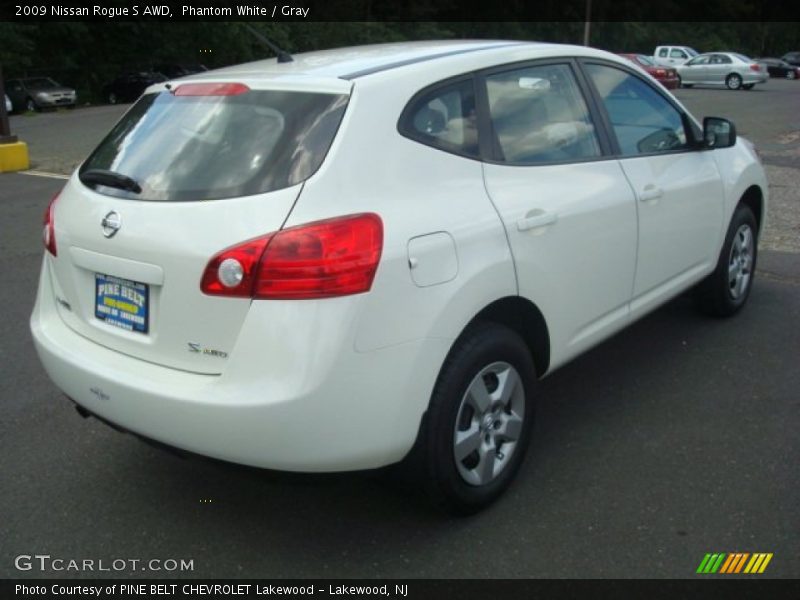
(524,317)
(753,198)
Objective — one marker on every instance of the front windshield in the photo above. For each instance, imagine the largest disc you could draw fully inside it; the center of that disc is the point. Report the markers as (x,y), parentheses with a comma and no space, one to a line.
(40,83)
(692,51)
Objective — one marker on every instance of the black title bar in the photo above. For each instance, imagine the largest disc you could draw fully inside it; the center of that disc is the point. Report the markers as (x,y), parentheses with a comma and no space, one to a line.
(32,11)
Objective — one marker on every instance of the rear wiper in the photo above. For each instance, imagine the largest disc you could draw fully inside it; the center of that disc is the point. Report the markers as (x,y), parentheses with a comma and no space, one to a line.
(111,179)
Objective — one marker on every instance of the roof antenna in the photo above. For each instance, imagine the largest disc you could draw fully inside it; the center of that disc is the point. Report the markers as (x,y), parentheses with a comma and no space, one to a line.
(283,56)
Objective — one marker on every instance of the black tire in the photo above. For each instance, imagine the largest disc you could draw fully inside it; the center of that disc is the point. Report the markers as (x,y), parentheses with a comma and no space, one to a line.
(715,295)
(688,85)
(748,86)
(733,81)
(482,346)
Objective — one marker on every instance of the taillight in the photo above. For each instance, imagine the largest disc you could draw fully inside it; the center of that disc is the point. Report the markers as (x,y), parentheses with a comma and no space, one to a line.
(211,89)
(49,227)
(755,67)
(660,72)
(335,257)
(232,271)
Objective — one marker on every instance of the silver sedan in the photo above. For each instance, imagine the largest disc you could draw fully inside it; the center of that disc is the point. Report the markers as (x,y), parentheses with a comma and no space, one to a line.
(733,70)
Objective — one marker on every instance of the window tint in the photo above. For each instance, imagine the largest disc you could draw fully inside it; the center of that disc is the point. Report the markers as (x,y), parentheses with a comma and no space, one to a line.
(700,60)
(720,59)
(209,147)
(663,52)
(444,118)
(539,116)
(642,119)
(677,54)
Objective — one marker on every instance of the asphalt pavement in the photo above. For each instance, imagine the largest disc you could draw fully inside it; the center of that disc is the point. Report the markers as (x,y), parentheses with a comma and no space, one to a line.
(676,438)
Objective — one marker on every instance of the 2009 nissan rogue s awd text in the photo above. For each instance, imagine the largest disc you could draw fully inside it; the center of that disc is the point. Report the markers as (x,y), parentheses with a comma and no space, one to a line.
(369,255)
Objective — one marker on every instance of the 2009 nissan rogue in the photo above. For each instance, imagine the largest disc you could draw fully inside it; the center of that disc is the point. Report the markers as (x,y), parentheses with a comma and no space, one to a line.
(370,255)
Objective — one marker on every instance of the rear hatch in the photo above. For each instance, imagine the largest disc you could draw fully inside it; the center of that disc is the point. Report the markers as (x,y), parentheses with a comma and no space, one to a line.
(187,172)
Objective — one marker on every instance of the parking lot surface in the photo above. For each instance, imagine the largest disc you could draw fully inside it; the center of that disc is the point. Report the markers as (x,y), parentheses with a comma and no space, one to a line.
(676,438)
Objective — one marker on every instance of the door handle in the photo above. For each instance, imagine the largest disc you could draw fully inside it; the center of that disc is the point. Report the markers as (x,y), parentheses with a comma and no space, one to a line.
(535,219)
(650,193)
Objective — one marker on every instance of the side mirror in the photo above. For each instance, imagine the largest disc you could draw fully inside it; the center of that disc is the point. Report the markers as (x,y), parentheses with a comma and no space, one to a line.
(718,133)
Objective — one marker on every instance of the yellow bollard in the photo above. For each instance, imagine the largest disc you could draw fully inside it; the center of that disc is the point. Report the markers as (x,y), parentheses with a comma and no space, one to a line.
(14,157)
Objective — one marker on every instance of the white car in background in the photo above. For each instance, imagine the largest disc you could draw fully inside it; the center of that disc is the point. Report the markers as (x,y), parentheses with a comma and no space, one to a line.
(734,71)
(672,56)
(370,255)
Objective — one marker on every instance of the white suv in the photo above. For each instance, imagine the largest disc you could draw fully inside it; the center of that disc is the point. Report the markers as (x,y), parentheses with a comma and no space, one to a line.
(371,254)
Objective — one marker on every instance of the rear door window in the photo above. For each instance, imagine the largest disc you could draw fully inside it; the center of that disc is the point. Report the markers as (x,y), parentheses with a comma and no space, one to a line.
(185,147)
(539,116)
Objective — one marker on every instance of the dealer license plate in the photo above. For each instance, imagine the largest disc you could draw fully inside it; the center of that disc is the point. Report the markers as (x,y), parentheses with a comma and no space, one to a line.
(121,302)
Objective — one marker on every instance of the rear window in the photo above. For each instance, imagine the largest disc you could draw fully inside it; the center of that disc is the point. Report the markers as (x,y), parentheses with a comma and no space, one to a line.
(179,148)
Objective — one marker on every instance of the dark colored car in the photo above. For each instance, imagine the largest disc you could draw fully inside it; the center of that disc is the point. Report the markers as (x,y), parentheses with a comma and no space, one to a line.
(780,68)
(130,86)
(175,70)
(664,75)
(793,58)
(36,93)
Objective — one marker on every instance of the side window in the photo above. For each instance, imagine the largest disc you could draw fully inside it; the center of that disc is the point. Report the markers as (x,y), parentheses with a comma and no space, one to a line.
(444,118)
(663,52)
(644,122)
(700,60)
(538,115)
(677,53)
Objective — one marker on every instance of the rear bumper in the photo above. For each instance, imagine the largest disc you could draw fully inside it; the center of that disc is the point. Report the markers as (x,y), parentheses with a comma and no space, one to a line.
(315,408)
(669,83)
(755,78)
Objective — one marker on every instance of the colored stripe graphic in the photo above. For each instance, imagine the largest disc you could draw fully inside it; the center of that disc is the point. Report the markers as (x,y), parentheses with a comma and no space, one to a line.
(703,563)
(740,564)
(765,563)
(734,563)
(727,564)
(717,563)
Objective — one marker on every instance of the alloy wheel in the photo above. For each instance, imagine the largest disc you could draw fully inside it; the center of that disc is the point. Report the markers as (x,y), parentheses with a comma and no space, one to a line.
(740,262)
(734,82)
(489,423)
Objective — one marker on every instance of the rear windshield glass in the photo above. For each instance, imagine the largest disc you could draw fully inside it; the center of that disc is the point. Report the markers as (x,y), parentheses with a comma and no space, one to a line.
(209,147)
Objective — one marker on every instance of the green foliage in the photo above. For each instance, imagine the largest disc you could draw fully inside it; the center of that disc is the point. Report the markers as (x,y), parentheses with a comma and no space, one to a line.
(88,55)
